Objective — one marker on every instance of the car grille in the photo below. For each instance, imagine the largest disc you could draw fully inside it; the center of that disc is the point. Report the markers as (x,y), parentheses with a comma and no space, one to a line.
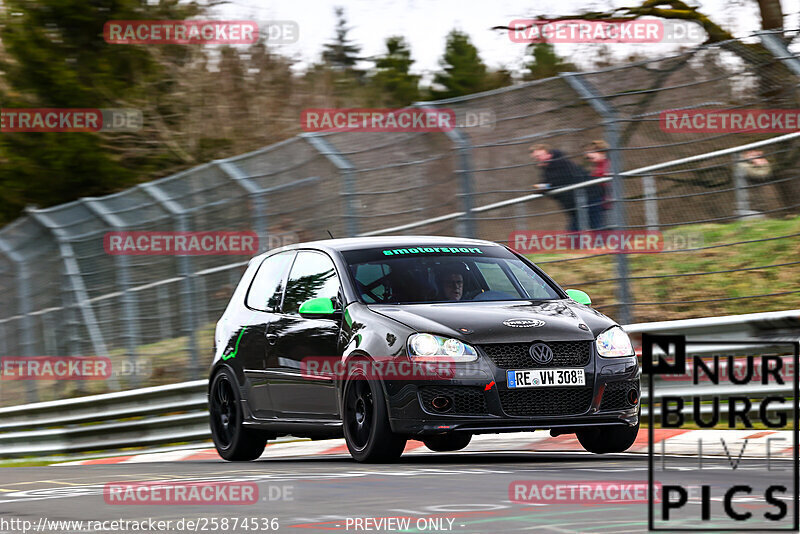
(615,396)
(546,401)
(467,400)
(516,355)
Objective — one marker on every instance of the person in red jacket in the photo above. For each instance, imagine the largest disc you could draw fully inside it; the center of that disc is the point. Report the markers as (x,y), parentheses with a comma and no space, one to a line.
(596,153)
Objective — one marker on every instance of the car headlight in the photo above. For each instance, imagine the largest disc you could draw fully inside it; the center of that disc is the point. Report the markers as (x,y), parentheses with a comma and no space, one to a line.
(427,347)
(614,342)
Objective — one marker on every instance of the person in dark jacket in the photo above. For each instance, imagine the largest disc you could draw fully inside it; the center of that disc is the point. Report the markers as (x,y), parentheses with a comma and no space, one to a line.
(558,171)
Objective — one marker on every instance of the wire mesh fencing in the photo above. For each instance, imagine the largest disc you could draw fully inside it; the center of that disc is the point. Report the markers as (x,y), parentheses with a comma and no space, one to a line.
(728,223)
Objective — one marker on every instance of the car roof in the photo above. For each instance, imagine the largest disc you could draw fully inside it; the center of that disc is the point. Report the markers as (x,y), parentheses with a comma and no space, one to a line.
(356,243)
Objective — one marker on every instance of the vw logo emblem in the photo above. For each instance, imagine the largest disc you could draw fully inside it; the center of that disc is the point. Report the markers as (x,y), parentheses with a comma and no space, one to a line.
(541,353)
(523,323)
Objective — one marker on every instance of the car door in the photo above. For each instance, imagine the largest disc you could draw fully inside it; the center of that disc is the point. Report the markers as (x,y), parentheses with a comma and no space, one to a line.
(294,396)
(263,299)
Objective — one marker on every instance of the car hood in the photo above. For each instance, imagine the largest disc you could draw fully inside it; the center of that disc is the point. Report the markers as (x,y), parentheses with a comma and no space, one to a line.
(483,321)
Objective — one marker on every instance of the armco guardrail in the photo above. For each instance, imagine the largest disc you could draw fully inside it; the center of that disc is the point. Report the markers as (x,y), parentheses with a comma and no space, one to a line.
(150,416)
(177,413)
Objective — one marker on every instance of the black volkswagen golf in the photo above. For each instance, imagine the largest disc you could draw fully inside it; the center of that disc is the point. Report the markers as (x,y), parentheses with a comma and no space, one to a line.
(381,340)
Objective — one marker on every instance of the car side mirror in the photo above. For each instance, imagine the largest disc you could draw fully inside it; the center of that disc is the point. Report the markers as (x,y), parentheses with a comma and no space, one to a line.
(579,296)
(319,308)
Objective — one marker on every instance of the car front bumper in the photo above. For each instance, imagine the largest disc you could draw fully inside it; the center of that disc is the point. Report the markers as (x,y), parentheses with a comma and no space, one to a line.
(483,403)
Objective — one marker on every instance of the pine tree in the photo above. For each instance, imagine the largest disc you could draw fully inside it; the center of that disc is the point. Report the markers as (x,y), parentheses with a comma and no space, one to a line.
(463,70)
(55,57)
(396,85)
(545,63)
(342,53)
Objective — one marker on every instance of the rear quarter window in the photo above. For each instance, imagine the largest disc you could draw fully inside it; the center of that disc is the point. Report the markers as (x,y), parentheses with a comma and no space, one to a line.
(267,288)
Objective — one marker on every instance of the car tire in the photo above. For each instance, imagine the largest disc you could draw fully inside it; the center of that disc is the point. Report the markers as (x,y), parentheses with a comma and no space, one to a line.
(454,441)
(365,421)
(233,441)
(604,440)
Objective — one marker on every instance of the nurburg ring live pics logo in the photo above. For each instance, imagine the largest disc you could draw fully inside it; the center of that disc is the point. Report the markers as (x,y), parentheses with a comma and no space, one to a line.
(735,393)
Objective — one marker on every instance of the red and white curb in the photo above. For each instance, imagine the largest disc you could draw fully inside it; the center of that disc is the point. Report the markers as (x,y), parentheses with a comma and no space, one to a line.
(759,444)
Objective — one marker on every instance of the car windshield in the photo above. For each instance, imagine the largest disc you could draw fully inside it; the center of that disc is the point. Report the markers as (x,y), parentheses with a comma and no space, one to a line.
(428,274)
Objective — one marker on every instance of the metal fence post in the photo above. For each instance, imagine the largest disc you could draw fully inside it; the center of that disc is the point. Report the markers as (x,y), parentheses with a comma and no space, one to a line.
(593,97)
(188,306)
(74,280)
(777,47)
(580,205)
(3,337)
(49,334)
(461,140)
(467,226)
(651,202)
(202,299)
(624,311)
(26,341)
(346,169)
(257,198)
(741,193)
(164,312)
(130,307)
(186,274)
(72,336)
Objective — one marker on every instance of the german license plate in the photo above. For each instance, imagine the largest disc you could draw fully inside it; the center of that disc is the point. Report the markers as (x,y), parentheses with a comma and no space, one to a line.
(537,378)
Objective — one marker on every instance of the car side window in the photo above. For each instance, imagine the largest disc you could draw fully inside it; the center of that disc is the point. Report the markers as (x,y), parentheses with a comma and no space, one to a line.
(267,287)
(312,276)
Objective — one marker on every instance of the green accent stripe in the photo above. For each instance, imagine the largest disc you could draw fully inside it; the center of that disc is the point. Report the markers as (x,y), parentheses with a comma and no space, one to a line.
(235,349)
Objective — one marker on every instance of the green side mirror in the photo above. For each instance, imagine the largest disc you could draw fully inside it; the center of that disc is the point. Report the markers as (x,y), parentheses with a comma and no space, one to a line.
(579,296)
(321,306)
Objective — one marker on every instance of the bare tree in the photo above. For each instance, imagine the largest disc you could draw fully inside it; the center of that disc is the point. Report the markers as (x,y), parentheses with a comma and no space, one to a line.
(777,85)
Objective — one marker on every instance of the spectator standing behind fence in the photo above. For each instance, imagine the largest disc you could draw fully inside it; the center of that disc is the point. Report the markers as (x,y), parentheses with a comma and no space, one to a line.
(558,171)
(596,153)
(755,169)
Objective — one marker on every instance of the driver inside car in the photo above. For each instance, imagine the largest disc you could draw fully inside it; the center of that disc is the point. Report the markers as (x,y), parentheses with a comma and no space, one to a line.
(450,282)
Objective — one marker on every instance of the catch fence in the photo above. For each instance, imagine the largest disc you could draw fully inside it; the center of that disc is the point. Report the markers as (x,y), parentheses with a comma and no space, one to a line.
(62,294)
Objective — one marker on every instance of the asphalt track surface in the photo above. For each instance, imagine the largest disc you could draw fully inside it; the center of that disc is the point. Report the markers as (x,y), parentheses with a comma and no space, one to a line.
(448,492)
